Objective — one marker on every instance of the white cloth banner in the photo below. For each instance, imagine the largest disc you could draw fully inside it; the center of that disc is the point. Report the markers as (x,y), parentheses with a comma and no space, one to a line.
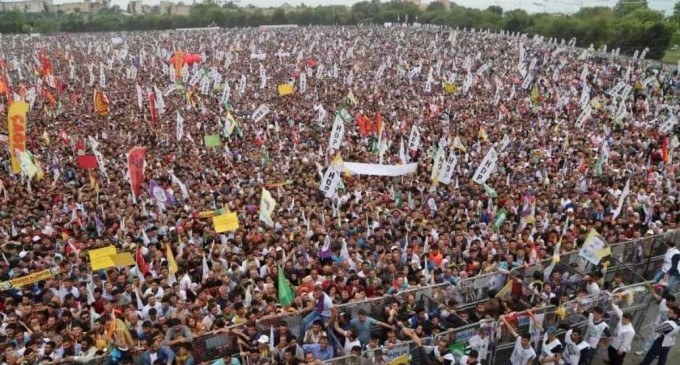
(337,133)
(179,128)
(303,83)
(487,166)
(622,199)
(260,113)
(330,181)
(414,139)
(446,172)
(370,169)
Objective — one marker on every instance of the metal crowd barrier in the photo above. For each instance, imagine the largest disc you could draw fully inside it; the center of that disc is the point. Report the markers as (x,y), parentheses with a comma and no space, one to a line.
(641,258)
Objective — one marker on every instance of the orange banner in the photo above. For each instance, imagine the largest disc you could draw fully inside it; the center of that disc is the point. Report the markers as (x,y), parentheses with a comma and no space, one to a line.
(101,103)
(16,125)
(179,63)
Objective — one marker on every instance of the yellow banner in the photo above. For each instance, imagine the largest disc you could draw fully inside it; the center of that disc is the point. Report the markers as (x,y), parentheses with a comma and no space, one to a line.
(101,257)
(225,222)
(285,89)
(172,264)
(29,279)
(16,125)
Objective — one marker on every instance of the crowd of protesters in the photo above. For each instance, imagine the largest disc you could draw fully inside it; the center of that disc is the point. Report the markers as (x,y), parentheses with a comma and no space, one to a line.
(560,173)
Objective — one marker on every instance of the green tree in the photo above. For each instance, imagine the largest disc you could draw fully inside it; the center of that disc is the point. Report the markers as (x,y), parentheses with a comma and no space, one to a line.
(624,7)
(495,9)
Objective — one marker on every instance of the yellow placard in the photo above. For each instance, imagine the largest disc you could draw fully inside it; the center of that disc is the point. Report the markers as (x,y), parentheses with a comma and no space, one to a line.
(29,279)
(123,259)
(206,214)
(285,89)
(101,257)
(16,127)
(225,222)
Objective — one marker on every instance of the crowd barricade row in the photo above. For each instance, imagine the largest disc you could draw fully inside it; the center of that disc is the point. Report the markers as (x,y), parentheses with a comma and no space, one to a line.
(641,258)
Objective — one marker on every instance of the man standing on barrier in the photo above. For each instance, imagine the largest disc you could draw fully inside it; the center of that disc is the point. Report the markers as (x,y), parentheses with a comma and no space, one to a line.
(668,275)
(666,302)
(523,353)
(664,338)
(321,308)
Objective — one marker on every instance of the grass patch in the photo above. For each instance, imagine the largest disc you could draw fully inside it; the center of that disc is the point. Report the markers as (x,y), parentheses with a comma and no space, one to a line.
(671,56)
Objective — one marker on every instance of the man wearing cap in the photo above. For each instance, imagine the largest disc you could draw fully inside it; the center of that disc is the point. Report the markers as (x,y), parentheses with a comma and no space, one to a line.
(472,358)
(622,337)
(551,350)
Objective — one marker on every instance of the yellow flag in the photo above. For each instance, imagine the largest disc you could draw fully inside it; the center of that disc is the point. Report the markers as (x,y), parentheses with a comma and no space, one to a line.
(450,87)
(225,223)
(172,264)
(285,89)
(352,99)
(482,134)
(535,95)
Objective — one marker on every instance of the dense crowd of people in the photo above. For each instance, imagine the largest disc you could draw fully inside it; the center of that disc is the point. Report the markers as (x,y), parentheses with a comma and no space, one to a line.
(461,153)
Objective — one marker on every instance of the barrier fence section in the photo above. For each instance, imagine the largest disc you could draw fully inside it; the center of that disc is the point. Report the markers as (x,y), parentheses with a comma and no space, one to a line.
(641,258)
(478,336)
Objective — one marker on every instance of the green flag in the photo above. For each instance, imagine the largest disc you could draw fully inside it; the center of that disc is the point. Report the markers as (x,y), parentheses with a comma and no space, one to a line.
(212,140)
(458,349)
(490,191)
(285,293)
(500,218)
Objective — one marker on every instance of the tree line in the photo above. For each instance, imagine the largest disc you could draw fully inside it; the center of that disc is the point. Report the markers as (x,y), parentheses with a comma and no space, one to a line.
(628,26)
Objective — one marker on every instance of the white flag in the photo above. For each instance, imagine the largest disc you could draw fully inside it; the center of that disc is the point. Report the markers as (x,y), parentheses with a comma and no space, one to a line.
(622,199)
(414,139)
(487,166)
(337,133)
(179,129)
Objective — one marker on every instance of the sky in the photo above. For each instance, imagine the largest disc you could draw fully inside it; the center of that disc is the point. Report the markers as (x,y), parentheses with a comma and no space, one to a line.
(532,6)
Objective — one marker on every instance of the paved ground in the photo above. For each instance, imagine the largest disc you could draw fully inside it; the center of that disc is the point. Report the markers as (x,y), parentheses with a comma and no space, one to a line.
(632,359)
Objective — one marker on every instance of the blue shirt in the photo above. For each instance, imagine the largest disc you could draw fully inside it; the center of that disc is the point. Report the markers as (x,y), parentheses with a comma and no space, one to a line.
(319,354)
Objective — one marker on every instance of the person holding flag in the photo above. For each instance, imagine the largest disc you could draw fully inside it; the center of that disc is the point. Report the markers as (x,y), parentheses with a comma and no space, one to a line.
(522,353)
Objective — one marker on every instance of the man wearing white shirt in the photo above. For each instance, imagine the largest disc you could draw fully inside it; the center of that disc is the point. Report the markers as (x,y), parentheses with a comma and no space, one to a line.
(668,275)
(664,340)
(664,304)
(152,303)
(622,338)
(523,353)
(576,349)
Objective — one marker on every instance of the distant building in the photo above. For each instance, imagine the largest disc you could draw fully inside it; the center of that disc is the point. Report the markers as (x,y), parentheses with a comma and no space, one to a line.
(446,3)
(31,6)
(39,6)
(414,2)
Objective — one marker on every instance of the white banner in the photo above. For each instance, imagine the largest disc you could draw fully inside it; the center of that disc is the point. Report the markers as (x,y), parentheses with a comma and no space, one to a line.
(414,139)
(179,128)
(370,169)
(303,83)
(337,133)
(486,167)
(260,113)
(446,172)
(667,126)
(330,181)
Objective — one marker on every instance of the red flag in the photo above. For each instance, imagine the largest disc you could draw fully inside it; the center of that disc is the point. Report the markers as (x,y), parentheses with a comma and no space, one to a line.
(141,264)
(136,169)
(152,106)
(46,64)
(87,162)
(664,149)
